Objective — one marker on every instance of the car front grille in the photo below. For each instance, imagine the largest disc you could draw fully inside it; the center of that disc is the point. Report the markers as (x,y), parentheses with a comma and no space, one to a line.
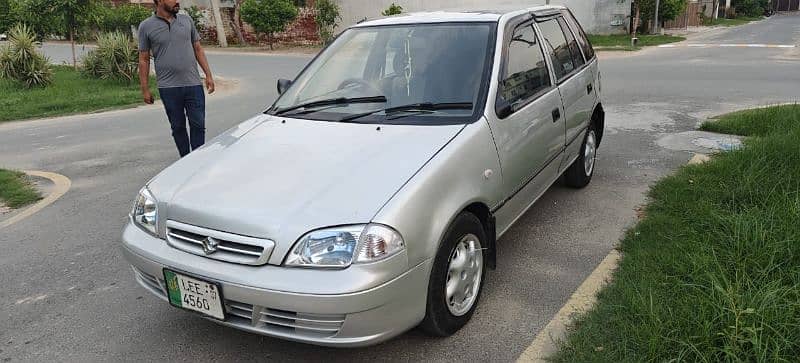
(219,245)
(283,322)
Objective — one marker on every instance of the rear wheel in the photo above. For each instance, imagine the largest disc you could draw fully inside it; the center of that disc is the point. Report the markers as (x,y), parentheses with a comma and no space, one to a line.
(580,172)
(456,277)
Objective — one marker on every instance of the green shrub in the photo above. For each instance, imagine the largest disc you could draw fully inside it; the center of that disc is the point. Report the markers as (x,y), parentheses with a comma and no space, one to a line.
(268,16)
(327,16)
(116,57)
(196,14)
(121,18)
(750,8)
(21,62)
(393,9)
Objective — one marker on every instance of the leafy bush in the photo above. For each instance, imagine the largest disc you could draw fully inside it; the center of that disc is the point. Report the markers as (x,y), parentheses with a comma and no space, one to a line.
(667,10)
(268,16)
(39,16)
(116,57)
(327,15)
(21,62)
(6,16)
(196,14)
(750,8)
(393,9)
(120,18)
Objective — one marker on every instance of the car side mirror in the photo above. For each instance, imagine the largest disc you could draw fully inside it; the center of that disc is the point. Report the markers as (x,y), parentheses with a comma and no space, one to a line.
(283,85)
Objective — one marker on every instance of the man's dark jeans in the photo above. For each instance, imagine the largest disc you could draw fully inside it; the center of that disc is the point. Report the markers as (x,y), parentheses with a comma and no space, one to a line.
(182,103)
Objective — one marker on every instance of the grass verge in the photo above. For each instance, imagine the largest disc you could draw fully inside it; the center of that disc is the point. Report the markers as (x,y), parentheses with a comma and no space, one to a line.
(15,189)
(623,41)
(712,273)
(70,93)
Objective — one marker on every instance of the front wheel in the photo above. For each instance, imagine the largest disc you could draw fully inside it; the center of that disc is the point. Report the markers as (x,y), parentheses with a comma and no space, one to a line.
(580,172)
(456,277)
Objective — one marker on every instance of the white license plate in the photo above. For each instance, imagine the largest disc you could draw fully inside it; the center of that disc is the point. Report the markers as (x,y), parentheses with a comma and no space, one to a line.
(193,294)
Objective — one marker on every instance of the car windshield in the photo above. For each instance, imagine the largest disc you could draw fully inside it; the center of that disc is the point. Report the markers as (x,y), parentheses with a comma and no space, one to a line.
(440,67)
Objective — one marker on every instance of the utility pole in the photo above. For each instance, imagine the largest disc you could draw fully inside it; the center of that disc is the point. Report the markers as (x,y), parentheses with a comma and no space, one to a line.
(223,40)
(655,19)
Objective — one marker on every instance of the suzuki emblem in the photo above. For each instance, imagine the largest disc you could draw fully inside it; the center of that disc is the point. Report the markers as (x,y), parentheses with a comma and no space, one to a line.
(210,245)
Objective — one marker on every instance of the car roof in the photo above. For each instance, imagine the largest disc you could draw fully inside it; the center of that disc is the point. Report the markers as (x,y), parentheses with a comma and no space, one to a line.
(460,15)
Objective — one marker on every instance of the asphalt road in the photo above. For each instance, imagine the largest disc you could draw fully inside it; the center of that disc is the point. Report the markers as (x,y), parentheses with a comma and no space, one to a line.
(66,294)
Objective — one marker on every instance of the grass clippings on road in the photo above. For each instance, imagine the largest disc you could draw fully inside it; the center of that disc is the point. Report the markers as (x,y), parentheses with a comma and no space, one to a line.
(712,273)
(622,42)
(70,93)
(16,190)
(732,22)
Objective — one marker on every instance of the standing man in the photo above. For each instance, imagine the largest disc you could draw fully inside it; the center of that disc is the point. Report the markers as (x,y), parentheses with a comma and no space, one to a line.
(175,45)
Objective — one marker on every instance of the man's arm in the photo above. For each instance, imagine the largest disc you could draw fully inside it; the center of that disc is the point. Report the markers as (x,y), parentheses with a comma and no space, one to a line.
(200,55)
(144,75)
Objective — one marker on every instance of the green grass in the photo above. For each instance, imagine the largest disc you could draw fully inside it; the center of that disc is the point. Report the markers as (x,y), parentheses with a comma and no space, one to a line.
(70,93)
(732,22)
(15,189)
(712,273)
(623,41)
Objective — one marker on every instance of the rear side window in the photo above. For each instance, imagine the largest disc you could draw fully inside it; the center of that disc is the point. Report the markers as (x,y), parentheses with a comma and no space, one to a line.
(577,58)
(525,72)
(583,41)
(558,48)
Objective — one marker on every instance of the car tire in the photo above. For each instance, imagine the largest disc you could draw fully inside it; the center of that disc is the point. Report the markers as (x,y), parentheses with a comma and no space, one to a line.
(579,174)
(460,266)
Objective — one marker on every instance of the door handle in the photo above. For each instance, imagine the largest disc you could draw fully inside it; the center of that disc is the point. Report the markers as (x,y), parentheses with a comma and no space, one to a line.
(556,115)
(589,88)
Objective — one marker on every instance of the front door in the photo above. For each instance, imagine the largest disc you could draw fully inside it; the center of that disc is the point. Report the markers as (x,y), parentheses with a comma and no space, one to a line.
(529,125)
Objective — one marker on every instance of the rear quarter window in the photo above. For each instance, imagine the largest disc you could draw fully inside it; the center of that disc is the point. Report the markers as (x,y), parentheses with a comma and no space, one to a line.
(580,35)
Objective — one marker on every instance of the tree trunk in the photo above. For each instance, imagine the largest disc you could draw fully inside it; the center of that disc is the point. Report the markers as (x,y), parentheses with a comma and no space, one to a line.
(269,40)
(72,44)
(237,22)
(221,38)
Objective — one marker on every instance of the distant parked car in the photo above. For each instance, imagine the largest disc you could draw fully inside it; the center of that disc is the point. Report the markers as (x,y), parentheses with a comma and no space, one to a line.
(3,36)
(368,198)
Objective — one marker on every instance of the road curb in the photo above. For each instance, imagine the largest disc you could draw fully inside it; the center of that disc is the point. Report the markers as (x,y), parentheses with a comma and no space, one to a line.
(545,344)
(61,186)
(582,300)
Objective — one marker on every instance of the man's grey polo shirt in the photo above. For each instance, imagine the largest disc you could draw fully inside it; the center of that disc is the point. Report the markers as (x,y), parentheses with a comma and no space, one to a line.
(171,45)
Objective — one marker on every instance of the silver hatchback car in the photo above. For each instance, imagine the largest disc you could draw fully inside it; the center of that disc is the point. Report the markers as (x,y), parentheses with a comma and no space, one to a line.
(368,199)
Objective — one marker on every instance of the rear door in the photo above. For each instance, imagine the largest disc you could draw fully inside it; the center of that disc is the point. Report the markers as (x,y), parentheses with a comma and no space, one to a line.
(574,79)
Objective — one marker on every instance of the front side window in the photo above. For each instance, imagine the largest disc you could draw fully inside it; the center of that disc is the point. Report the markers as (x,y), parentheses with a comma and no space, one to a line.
(558,48)
(525,73)
(440,66)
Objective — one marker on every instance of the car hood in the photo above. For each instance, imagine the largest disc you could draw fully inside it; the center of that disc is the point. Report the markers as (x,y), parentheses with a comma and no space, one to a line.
(280,178)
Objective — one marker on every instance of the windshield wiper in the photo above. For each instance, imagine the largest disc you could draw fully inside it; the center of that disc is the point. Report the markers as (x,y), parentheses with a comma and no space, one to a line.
(332,101)
(424,106)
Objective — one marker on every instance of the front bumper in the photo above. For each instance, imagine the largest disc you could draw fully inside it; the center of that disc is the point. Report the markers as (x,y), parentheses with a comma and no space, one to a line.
(343,320)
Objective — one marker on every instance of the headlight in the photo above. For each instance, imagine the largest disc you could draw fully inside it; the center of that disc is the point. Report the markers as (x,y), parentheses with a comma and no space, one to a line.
(145,211)
(342,246)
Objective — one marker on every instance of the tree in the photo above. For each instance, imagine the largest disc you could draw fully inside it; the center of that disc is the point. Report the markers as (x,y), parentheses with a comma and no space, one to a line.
(268,16)
(237,21)
(667,10)
(77,15)
(327,16)
(222,39)
(393,9)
